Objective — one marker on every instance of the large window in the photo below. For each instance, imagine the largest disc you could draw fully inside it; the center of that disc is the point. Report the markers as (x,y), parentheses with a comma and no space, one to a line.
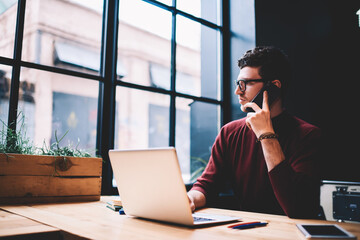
(50,75)
(115,74)
(172,54)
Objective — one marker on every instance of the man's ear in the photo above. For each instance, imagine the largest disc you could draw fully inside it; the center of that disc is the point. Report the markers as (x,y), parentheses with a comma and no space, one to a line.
(277,83)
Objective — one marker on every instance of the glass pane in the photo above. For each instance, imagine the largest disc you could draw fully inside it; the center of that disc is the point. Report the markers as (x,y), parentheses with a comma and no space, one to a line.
(5,81)
(144,43)
(167,2)
(8,13)
(206,9)
(197,59)
(55,103)
(197,125)
(64,34)
(142,119)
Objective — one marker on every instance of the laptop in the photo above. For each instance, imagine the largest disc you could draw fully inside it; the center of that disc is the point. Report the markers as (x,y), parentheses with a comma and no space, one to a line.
(150,185)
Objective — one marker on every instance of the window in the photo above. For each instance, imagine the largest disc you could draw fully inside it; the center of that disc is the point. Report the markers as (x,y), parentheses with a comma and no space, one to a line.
(7,27)
(49,33)
(5,81)
(172,56)
(142,119)
(57,108)
(51,76)
(145,73)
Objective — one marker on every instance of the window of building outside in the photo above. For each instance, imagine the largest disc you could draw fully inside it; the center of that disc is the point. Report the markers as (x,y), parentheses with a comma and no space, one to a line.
(5,80)
(165,56)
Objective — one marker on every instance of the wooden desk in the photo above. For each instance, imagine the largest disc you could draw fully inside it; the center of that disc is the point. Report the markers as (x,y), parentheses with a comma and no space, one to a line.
(21,227)
(94,221)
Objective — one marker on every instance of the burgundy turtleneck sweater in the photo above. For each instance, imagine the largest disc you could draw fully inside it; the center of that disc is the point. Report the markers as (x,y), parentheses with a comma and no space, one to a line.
(291,188)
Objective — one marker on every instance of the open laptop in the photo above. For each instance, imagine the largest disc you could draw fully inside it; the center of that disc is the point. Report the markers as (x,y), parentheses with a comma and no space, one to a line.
(151,186)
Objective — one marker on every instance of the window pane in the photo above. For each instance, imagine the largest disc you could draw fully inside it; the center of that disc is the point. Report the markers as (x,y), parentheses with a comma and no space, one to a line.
(167,2)
(206,9)
(142,119)
(197,59)
(65,34)
(5,81)
(144,43)
(197,125)
(58,103)
(8,12)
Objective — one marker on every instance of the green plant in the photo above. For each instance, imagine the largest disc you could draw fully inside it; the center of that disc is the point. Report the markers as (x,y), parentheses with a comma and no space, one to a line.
(56,150)
(200,169)
(15,141)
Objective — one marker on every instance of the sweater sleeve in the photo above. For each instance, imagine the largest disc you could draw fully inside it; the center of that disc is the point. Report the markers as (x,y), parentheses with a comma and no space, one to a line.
(296,181)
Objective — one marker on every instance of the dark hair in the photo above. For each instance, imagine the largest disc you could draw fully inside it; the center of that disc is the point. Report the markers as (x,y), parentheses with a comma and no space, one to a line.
(273,63)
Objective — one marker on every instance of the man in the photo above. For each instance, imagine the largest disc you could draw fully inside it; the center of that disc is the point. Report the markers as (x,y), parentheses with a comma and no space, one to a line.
(269,157)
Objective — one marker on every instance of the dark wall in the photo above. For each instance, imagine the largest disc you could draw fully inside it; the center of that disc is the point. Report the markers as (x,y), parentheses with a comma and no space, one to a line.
(322,39)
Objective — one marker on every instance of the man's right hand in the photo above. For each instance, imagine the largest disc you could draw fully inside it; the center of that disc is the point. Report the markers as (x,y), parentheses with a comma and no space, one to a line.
(192,204)
(196,199)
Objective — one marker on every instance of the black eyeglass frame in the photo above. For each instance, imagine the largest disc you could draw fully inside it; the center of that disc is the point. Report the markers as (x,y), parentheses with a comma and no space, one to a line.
(245,81)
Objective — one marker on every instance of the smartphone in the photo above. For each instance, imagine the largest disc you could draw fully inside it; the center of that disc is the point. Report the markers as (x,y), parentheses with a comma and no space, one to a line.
(324,231)
(273,94)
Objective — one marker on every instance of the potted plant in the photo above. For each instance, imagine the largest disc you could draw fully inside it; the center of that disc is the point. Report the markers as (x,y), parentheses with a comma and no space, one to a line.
(29,174)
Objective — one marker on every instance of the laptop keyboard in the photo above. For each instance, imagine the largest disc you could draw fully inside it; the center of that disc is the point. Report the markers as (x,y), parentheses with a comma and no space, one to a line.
(202,219)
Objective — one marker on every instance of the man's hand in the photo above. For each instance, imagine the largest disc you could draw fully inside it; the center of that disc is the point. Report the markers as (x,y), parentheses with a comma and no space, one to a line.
(196,199)
(259,121)
(192,204)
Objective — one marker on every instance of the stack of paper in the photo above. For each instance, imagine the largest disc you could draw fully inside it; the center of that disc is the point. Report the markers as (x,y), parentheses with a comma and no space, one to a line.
(114,204)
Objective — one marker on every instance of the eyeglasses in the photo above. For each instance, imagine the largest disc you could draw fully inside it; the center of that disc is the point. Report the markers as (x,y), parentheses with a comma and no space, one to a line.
(242,83)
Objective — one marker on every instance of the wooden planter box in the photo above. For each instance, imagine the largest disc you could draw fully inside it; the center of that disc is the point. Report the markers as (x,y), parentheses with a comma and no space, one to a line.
(39,179)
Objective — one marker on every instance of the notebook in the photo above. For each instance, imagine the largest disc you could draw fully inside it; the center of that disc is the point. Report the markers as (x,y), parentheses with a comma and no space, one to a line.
(150,185)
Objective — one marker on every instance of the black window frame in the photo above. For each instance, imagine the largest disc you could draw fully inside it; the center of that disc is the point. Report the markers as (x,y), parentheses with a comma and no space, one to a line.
(108,77)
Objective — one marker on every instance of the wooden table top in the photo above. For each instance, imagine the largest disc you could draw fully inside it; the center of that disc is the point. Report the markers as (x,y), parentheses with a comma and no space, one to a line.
(94,220)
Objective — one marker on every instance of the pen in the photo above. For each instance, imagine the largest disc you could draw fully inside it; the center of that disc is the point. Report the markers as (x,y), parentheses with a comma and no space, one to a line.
(243,223)
(250,225)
